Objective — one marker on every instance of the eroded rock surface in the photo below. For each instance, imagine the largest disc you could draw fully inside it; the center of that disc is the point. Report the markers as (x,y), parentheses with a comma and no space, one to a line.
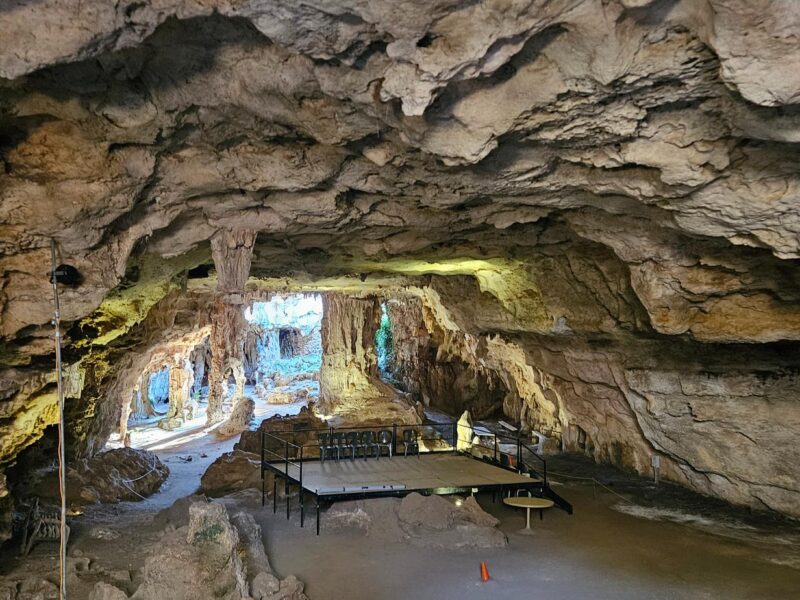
(214,556)
(232,472)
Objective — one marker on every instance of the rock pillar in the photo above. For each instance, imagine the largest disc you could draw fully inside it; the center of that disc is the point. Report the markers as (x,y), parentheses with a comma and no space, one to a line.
(232,252)
(181,376)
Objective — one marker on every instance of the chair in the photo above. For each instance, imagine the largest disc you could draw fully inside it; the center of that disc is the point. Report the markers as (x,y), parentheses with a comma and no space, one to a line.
(340,443)
(410,442)
(385,441)
(368,443)
(353,441)
(326,446)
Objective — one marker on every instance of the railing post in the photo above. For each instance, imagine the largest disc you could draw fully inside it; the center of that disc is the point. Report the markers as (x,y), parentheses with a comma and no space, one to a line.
(286,484)
(495,447)
(519,453)
(302,499)
(394,439)
(263,479)
(455,436)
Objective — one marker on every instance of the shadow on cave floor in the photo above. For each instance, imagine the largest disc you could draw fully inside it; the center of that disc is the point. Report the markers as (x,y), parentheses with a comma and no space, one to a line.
(640,497)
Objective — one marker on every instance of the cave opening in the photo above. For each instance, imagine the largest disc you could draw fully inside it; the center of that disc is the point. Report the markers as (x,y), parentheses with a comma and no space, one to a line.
(283,349)
(384,345)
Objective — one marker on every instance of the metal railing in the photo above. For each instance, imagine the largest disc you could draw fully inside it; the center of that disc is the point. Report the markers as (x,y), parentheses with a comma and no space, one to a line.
(440,437)
(285,460)
(434,433)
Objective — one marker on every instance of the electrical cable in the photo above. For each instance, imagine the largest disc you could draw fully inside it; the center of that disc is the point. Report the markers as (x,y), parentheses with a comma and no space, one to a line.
(61,453)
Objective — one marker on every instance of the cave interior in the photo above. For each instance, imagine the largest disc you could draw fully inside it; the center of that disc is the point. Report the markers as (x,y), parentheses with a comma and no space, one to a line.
(578,218)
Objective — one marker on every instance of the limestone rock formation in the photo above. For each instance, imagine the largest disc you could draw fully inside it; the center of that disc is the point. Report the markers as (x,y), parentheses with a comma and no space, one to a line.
(350,388)
(582,214)
(232,472)
(232,252)
(214,556)
(298,429)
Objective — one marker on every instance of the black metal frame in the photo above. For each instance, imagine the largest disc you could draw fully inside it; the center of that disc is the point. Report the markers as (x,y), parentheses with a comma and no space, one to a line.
(499,459)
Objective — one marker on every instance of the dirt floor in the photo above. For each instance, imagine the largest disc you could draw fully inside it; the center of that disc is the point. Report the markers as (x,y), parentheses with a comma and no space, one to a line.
(596,553)
(627,539)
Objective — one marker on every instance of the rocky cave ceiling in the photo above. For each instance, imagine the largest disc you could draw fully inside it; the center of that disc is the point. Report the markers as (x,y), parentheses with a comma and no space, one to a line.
(605,171)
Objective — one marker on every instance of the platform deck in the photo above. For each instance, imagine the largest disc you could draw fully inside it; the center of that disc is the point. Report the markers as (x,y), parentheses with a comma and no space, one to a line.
(432,473)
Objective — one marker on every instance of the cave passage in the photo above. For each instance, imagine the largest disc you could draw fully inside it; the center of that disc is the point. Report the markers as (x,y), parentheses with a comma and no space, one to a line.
(282,359)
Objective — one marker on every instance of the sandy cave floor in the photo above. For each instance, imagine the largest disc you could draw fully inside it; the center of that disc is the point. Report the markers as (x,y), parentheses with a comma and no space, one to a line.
(701,550)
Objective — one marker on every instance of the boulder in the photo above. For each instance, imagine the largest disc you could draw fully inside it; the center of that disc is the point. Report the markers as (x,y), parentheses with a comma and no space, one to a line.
(295,427)
(105,591)
(177,515)
(232,472)
(240,418)
(213,556)
(109,477)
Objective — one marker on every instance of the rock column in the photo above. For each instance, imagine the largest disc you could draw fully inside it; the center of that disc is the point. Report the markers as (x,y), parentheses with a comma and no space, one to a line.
(181,375)
(232,252)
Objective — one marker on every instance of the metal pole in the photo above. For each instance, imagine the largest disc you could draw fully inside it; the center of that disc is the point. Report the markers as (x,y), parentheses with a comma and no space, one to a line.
(286,485)
(61,452)
(263,478)
(302,499)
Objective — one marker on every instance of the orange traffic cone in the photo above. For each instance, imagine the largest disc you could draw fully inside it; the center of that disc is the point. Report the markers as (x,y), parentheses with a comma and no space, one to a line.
(484,572)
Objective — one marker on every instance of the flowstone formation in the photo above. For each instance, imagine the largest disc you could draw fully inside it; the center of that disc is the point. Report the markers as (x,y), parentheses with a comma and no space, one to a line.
(582,215)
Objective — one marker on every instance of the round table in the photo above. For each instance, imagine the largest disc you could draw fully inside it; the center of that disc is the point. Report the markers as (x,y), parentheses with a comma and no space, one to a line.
(528,503)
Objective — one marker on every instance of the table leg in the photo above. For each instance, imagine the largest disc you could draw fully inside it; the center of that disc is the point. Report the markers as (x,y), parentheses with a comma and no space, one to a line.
(527,518)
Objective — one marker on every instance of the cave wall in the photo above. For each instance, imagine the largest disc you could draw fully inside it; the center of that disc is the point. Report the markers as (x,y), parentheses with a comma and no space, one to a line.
(445,382)
(723,418)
